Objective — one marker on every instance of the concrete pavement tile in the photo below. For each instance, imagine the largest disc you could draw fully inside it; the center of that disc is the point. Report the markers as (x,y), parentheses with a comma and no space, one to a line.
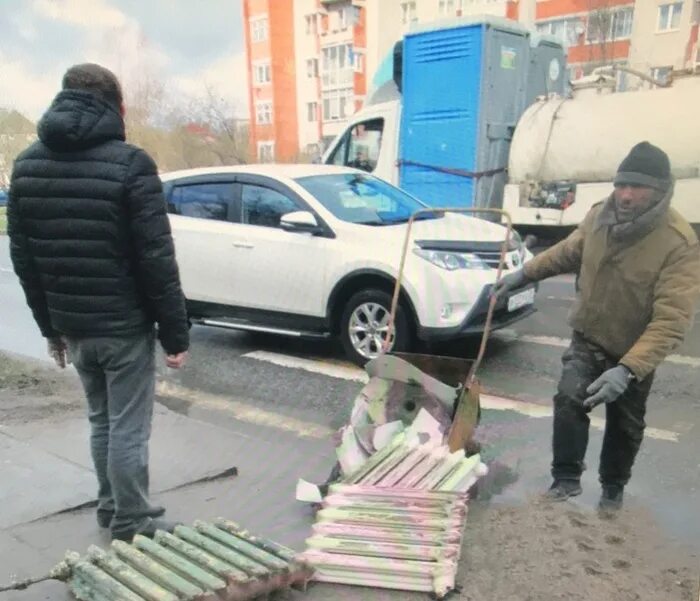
(36,483)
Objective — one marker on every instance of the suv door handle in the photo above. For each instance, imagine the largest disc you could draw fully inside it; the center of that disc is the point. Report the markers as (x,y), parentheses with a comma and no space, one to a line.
(245,245)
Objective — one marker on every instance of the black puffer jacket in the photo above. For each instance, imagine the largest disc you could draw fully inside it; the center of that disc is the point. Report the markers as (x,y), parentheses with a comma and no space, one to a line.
(89,235)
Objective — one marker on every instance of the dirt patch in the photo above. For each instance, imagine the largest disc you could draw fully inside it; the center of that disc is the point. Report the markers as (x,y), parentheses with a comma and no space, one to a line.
(31,391)
(543,551)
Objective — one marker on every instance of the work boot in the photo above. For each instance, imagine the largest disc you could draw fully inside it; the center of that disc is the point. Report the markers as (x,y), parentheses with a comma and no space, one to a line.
(561,490)
(148,529)
(610,500)
(104,516)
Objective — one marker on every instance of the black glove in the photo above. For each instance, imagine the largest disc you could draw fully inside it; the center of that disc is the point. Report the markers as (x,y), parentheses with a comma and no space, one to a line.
(509,282)
(609,387)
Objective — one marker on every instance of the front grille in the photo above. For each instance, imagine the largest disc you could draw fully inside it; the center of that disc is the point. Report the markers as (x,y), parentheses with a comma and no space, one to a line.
(490,258)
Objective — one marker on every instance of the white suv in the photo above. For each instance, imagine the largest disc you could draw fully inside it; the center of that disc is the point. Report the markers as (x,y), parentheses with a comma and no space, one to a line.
(314,250)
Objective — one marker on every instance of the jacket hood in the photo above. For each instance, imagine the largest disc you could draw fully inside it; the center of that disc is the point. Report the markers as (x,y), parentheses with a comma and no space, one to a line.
(77,120)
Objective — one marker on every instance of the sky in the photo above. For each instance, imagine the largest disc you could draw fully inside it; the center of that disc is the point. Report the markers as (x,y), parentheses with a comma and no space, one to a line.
(187,45)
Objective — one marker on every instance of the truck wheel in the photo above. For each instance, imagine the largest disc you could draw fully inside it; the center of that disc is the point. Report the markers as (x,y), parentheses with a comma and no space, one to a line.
(364,326)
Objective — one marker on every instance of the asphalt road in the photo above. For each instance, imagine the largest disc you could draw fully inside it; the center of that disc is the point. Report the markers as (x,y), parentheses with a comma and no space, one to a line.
(308,389)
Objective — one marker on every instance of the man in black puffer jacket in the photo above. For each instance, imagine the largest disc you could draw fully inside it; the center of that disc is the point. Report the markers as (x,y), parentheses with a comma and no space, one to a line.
(90,241)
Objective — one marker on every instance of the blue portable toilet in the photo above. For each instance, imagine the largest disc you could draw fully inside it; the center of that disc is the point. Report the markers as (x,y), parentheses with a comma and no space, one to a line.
(465,85)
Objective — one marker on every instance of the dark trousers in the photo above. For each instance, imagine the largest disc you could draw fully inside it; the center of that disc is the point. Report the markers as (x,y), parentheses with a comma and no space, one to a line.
(583,363)
(118,375)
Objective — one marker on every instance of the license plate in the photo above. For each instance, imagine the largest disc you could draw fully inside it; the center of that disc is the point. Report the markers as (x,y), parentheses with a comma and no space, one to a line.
(517,301)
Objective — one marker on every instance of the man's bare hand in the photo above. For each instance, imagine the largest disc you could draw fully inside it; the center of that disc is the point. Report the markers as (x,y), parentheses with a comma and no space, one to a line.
(58,351)
(176,361)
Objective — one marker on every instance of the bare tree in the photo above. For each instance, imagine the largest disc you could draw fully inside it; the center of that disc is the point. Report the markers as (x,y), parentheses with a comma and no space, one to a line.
(16,133)
(207,132)
(600,33)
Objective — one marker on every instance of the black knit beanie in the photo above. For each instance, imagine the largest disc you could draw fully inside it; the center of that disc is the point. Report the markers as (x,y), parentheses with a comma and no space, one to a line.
(645,165)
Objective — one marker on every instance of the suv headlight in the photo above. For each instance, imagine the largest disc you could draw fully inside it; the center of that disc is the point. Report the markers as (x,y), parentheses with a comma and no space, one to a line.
(451,260)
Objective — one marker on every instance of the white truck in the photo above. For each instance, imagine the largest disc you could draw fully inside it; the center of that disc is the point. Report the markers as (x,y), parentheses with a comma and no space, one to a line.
(548,165)
(565,151)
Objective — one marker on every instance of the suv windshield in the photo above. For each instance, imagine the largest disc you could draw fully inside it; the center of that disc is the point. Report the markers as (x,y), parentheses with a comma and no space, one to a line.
(362,199)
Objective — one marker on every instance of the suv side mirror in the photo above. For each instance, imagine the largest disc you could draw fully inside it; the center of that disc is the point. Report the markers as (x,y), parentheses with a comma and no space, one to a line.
(299,221)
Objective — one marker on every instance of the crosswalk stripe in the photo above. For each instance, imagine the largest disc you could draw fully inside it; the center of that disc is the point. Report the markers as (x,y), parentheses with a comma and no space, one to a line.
(316,366)
(488,401)
(558,342)
(244,412)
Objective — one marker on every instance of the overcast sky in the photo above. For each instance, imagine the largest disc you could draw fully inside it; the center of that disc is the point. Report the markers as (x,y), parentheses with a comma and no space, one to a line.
(187,44)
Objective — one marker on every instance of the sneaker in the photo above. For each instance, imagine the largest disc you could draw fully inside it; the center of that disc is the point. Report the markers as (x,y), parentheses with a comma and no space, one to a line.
(148,529)
(610,500)
(561,490)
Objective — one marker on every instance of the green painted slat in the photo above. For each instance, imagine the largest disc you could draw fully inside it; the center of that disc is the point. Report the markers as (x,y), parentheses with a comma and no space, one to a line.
(157,571)
(128,576)
(94,579)
(266,545)
(85,590)
(204,559)
(236,559)
(184,567)
(243,546)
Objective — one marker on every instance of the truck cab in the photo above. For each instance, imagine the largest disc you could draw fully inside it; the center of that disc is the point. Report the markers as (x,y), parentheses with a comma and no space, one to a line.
(371,141)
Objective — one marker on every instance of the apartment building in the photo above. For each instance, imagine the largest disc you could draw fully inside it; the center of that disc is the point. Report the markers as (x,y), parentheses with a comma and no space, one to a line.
(665,37)
(651,36)
(596,32)
(272,94)
(311,62)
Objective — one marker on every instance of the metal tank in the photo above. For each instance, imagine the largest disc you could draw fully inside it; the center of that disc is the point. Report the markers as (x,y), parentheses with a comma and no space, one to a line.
(584,138)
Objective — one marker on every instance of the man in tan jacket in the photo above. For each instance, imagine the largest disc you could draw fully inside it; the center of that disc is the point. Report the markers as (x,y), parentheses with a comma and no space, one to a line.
(638,279)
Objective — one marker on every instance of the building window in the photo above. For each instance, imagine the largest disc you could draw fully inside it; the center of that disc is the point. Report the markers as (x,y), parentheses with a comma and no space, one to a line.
(312,112)
(263,113)
(358,62)
(259,29)
(261,73)
(266,152)
(606,25)
(343,18)
(312,67)
(670,16)
(408,12)
(311,24)
(622,23)
(567,31)
(337,66)
(661,74)
(338,104)
(447,7)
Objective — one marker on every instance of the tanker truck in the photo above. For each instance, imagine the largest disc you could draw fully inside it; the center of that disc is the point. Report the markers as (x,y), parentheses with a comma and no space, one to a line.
(476,112)
(565,150)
